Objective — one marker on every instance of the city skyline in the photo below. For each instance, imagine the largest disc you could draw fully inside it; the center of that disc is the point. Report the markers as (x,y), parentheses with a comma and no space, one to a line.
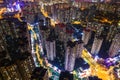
(42,39)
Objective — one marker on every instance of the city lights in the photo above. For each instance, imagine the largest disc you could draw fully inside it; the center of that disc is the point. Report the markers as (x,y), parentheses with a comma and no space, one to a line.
(57,40)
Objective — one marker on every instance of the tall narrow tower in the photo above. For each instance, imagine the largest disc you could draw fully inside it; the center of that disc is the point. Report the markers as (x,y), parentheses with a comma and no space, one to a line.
(80,47)
(50,45)
(86,36)
(96,45)
(50,48)
(115,46)
(70,56)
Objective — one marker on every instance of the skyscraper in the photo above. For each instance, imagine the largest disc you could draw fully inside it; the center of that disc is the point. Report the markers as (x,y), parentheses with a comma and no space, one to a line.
(115,46)
(96,45)
(80,47)
(70,56)
(86,36)
(50,45)
(51,49)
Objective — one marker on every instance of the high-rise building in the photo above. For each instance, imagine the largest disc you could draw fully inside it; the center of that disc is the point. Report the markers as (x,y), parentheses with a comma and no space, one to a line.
(39,73)
(50,44)
(115,46)
(23,37)
(8,27)
(30,10)
(8,33)
(44,31)
(16,47)
(73,51)
(96,45)
(65,75)
(86,36)
(25,65)
(51,49)
(9,70)
(3,52)
(80,47)
(70,56)
(111,33)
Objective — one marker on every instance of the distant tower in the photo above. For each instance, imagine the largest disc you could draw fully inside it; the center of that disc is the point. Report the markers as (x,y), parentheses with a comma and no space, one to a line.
(70,56)
(86,36)
(115,46)
(96,45)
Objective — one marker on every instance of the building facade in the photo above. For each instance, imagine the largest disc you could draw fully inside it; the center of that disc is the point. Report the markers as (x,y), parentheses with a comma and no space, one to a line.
(86,36)
(70,56)
(9,70)
(96,45)
(115,46)
(26,66)
(51,50)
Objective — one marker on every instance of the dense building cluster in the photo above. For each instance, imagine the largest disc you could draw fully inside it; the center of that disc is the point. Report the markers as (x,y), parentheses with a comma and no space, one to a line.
(59,40)
(15,50)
